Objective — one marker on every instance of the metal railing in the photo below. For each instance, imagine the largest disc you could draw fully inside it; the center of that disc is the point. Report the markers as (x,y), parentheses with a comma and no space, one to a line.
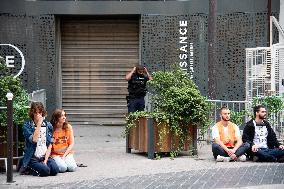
(35,96)
(214,115)
(38,96)
(235,106)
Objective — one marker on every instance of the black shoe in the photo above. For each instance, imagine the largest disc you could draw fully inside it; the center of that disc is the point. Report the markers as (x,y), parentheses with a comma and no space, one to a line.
(255,159)
(24,171)
(280,160)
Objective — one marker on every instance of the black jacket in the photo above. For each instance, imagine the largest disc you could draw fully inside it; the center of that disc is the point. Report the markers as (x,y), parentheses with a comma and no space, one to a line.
(249,131)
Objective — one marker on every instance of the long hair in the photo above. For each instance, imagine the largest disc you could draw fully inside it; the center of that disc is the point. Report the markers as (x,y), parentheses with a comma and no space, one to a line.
(55,117)
(37,107)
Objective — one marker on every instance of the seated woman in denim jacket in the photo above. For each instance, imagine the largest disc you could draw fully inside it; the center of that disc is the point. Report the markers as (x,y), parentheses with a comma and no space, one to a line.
(62,148)
(38,143)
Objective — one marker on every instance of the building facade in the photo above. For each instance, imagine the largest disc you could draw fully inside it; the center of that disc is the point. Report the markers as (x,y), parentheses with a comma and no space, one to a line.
(80,51)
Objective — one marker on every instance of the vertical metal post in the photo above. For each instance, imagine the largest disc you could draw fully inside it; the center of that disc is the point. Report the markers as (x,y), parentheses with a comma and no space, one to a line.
(151,145)
(128,149)
(212,49)
(194,140)
(270,32)
(9,137)
(269,25)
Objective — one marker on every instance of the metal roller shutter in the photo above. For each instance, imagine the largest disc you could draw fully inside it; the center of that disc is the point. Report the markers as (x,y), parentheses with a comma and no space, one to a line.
(95,56)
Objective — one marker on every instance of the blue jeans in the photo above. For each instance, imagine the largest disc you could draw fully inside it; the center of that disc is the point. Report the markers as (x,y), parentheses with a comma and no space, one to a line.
(218,150)
(38,168)
(269,155)
(136,104)
(66,164)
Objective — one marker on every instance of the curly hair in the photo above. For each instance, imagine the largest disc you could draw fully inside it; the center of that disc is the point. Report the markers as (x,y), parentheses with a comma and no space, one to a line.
(37,107)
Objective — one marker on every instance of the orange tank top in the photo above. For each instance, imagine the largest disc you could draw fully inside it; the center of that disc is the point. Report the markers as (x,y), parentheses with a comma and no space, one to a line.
(61,141)
(231,134)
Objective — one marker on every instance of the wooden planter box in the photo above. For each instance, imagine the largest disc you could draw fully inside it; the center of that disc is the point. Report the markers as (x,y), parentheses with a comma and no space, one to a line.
(145,138)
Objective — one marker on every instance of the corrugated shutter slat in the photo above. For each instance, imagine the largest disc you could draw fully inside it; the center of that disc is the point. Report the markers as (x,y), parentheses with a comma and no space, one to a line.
(95,56)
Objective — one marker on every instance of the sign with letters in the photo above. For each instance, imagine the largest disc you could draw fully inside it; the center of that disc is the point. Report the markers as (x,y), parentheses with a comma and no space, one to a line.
(185,49)
(10,59)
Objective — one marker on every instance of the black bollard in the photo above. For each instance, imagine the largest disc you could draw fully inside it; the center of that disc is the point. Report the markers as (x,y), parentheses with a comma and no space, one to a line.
(151,144)
(9,137)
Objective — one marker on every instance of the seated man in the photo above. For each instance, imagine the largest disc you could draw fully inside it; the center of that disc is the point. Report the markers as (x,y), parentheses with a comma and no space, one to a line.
(227,143)
(262,139)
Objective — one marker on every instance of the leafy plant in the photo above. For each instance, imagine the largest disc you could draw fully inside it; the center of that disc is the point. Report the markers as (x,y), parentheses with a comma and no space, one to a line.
(239,117)
(178,99)
(177,102)
(273,104)
(20,99)
(157,156)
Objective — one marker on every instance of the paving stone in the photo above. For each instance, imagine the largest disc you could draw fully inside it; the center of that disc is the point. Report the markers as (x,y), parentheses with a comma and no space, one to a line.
(110,167)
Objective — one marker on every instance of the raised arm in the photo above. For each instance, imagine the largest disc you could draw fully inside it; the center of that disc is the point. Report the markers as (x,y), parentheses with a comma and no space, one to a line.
(148,75)
(38,119)
(129,75)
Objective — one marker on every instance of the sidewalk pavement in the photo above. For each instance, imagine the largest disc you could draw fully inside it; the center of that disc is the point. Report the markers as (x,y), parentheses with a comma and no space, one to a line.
(102,149)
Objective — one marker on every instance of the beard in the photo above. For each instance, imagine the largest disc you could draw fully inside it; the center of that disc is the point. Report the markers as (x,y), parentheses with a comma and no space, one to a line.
(225,119)
(140,74)
(262,117)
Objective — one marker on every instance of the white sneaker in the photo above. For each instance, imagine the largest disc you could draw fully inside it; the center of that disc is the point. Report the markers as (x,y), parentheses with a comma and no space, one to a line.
(223,159)
(227,159)
(220,158)
(242,158)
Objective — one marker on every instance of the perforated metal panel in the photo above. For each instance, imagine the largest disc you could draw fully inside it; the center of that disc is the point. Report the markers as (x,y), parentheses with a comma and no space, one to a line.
(35,37)
(235,32)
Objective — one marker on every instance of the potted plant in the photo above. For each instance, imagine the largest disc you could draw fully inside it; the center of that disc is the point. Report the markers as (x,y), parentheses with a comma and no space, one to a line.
(20,110)
(178,110)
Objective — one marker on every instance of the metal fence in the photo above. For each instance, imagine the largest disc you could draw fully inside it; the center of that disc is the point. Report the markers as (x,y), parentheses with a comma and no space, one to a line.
(35,96)
(38,96)
(214,115)
(277,121)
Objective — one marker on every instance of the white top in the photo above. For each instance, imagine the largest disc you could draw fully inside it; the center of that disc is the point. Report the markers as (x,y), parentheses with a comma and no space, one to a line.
(260,135)
(41,147)
(215,131)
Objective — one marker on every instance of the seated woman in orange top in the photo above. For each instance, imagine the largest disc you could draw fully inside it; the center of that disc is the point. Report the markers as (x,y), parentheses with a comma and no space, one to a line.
(63,142)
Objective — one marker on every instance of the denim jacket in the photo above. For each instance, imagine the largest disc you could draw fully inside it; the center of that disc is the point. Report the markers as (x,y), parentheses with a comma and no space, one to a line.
(30,146)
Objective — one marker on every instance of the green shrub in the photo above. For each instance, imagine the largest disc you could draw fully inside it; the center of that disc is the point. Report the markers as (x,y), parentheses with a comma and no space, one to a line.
(177,101)
(20,99)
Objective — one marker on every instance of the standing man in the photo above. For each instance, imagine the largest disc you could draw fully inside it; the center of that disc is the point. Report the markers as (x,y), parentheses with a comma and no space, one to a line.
(227,143)
(262,139)
(137,80)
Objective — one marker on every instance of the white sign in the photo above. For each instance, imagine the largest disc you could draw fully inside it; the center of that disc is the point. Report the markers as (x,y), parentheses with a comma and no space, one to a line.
(10,63)
(185,49)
